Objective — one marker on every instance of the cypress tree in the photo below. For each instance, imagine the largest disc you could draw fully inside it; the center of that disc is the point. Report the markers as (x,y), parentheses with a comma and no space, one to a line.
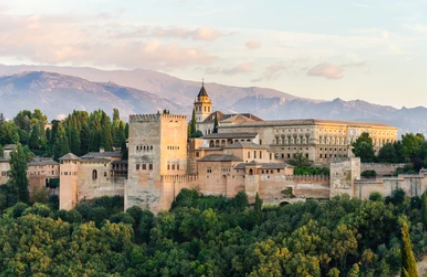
(1,151)
(34,142)
(75,141)
(258,209)
(106,138)
(127,130)
(409,267)
(193,127)
(116,115)
(18,173)
(84,139)
(124,151)
(60,147)
(216,124)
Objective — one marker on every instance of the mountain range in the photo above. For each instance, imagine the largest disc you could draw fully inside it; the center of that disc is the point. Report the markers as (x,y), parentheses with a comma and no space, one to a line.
(58,91)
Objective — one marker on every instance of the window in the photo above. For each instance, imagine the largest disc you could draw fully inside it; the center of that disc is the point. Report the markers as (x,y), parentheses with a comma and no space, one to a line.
(208,169)
(150,166)
(94,175)
(169,166)
(177,167)
(306,155)
(260,154)
(137,167)
(105,174)
(197,154)
(144,167)
(278,170)
(289,156)
(173,167)
(283,156)
(249,154)
(320,156)
(260,142)
(254,154)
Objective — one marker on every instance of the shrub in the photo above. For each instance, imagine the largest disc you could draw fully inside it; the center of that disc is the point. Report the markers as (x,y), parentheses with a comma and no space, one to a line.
(369,174)
(54,202)
(376,196)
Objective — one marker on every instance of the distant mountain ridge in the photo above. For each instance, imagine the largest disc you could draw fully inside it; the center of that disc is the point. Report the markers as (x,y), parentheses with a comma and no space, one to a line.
(145,91)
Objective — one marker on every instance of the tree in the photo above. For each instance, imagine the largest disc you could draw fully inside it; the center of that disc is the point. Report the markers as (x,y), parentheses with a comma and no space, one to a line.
(60,147)
(354,271)
(116,115)
(1,151)
(35,138)
(298,160)
(84,139)
(258,209)
(412,144)
(18,173)
(193,126)
(216,124)
(387,154)
(75,144)
(124,151)
(106,138)
(8,133)
(409,266)
(365,151)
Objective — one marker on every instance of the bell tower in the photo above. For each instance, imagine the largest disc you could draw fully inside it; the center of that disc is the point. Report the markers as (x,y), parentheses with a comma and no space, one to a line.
(202,105)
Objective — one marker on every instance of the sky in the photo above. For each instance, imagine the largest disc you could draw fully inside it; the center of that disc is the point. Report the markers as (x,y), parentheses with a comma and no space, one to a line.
(323,49)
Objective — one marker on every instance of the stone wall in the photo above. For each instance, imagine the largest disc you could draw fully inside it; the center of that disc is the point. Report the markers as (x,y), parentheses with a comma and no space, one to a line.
(343,175)
(381,169)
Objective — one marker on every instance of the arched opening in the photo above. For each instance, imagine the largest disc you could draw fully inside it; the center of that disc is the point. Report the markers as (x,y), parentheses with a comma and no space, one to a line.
(211,143)
(251,172)
(94,175)
(282,204)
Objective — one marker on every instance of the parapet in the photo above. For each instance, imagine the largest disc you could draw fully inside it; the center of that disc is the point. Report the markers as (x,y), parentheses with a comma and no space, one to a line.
(179,178)
(154,117)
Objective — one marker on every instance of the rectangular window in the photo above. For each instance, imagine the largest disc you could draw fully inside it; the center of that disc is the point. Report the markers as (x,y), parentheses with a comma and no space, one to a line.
(150,166)
(144,166)
(197,154)
(137,167)
(271,156)
(289,156)
(260,154)
(320,156)
(306,155)
(177,167)
(249,154)
(260,142)
(209,170)
(254,154)
(173,167)
(169,166)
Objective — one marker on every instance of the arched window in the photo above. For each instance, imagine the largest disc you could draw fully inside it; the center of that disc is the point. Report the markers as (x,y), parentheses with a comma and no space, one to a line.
(251,172)
(94,175)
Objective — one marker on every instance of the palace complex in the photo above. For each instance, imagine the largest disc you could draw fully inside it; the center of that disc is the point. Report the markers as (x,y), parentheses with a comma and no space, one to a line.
(237,152)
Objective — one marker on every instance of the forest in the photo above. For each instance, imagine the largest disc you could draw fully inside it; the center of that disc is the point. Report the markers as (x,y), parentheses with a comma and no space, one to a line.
(216,236)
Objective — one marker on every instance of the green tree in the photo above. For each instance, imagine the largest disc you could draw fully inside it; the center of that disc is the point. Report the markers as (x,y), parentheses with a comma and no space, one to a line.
(409,266)
(107,137)
(34,142)
(116,115)
(8,133)
(354,271)
(18,173)
(1,151)
(298,160)
(75,144)
(124,151)
(258,209)
(216,124)
(365,151)
(84,139)
(387,154)
(412,144)
(60,147)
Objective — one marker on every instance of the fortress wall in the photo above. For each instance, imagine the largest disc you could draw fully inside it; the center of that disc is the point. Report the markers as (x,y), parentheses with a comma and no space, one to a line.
(381,169)
(271,186)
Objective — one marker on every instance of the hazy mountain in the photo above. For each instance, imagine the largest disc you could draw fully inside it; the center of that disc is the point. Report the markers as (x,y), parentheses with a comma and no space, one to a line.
(92,89)
(57,94)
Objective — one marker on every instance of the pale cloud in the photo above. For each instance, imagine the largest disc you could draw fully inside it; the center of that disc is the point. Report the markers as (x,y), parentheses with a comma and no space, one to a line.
(272,72)
(418,28)
(201,33)
(253,44)
(327,70)
(63,39)
(238,69)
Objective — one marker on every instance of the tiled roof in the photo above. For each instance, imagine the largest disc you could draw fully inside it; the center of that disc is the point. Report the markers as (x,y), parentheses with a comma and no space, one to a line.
(42,161)
(222,117)
(10,147)
(244,144)
(220,158)
(263,165)
(115,154)
(230,135)
(120,162)
(69,157)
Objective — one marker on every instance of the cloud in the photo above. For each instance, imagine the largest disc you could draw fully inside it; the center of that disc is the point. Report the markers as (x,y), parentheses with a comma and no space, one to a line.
(327,70)
(65,39)
(253,44)
(201,33)
(238,69)
(418,28)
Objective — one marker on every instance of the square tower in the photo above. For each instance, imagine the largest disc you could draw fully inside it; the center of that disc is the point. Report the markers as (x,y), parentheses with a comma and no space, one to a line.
(157,147)
(202,105)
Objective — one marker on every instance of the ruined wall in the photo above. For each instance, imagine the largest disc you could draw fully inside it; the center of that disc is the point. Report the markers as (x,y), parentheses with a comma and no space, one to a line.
(413,185)
(4,168)
(271,187)
(343,175)
(381,169)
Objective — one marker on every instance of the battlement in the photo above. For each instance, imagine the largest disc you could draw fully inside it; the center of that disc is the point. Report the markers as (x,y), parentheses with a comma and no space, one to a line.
(307,178)
(154,117)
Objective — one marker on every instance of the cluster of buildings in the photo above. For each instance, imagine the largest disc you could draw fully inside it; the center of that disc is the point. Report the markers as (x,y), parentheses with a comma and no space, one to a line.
(247,154)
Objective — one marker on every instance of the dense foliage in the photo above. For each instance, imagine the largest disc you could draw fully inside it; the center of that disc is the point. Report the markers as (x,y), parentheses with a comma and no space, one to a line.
(215,236)
(79,133)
